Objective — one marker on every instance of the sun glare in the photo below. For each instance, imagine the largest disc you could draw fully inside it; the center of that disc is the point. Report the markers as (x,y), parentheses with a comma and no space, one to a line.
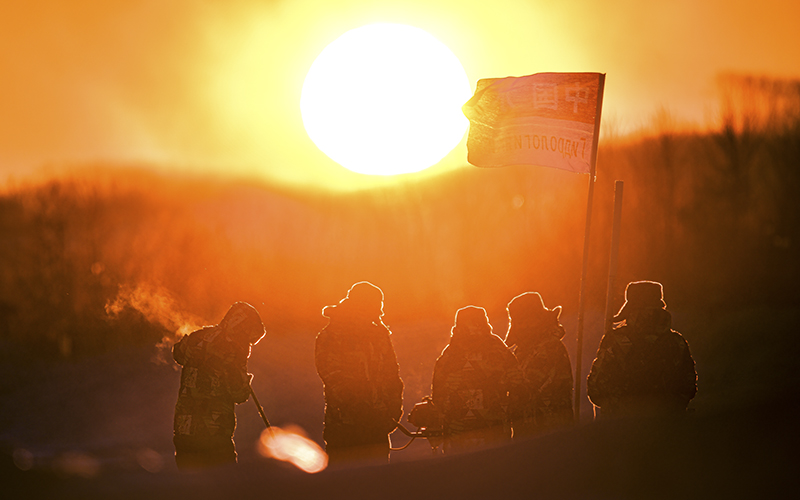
(385,99)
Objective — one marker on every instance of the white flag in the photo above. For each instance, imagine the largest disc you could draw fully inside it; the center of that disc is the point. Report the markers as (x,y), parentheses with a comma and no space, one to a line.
(546,119)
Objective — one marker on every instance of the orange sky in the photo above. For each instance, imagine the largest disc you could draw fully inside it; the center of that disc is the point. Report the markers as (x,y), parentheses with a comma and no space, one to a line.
(215,85)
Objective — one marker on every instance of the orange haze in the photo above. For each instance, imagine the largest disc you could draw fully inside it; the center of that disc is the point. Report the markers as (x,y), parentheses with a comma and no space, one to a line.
(214,86)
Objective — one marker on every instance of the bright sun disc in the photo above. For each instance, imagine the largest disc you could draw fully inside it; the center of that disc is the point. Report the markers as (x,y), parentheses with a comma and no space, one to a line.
(385,99)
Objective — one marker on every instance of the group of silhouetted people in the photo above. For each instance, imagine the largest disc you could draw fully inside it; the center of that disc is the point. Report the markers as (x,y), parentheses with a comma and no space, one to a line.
(485,389)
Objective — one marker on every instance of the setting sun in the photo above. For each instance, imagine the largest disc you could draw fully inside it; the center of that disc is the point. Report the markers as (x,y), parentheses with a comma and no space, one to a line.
(385,99)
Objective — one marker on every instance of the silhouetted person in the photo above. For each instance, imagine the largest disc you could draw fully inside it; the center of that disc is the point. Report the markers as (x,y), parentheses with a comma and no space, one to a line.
(357,364)
(544,400)
(643,367)
(471,381)
(214,378)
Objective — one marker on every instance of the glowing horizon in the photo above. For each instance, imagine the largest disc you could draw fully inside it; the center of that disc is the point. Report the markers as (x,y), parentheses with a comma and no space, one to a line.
(215,88)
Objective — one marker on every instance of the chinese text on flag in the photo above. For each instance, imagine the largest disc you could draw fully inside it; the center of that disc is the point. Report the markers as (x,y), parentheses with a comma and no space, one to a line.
(546,119)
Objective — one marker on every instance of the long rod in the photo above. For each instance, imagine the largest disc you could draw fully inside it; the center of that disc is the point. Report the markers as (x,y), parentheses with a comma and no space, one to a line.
(582,302)
(585,268)
(612,265)
(260,410)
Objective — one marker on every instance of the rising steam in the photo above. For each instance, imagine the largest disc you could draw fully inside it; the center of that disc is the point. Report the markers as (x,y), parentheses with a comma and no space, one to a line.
(158,307)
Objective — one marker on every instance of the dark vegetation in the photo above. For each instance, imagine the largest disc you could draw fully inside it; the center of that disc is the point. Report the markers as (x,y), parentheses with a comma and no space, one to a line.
(111,256)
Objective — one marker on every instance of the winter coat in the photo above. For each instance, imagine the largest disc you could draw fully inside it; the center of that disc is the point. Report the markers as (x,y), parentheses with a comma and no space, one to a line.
(356,361)
(214,378)
(471,382)
(643,368)
(544,400)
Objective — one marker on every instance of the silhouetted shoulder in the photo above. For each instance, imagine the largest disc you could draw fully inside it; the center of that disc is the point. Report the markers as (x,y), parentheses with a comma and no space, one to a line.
(181,350)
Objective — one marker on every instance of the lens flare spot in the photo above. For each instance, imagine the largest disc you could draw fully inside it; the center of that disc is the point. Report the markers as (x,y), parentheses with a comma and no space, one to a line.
(76,463)
(150,460)
(23,459)
(291,445)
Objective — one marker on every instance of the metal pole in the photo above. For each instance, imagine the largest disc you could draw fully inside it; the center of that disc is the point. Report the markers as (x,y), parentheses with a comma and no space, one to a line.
(612,265)
(581,301)
(261,412)
(585,268)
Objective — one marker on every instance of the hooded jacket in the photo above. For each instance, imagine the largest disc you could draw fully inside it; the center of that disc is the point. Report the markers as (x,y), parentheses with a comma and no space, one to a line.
(214,378)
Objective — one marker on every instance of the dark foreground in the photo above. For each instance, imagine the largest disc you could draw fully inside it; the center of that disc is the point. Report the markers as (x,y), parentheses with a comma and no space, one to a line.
(747,453)
(101,428)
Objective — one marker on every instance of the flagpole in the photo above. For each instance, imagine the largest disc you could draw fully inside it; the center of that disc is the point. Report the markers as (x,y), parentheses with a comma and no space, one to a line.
(612,263)
(585,267)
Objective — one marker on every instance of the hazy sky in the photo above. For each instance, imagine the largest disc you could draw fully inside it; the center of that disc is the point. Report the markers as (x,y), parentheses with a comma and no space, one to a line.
(215,85)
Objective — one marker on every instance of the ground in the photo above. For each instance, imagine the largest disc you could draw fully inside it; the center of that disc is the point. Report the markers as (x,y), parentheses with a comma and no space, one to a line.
(100,427)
